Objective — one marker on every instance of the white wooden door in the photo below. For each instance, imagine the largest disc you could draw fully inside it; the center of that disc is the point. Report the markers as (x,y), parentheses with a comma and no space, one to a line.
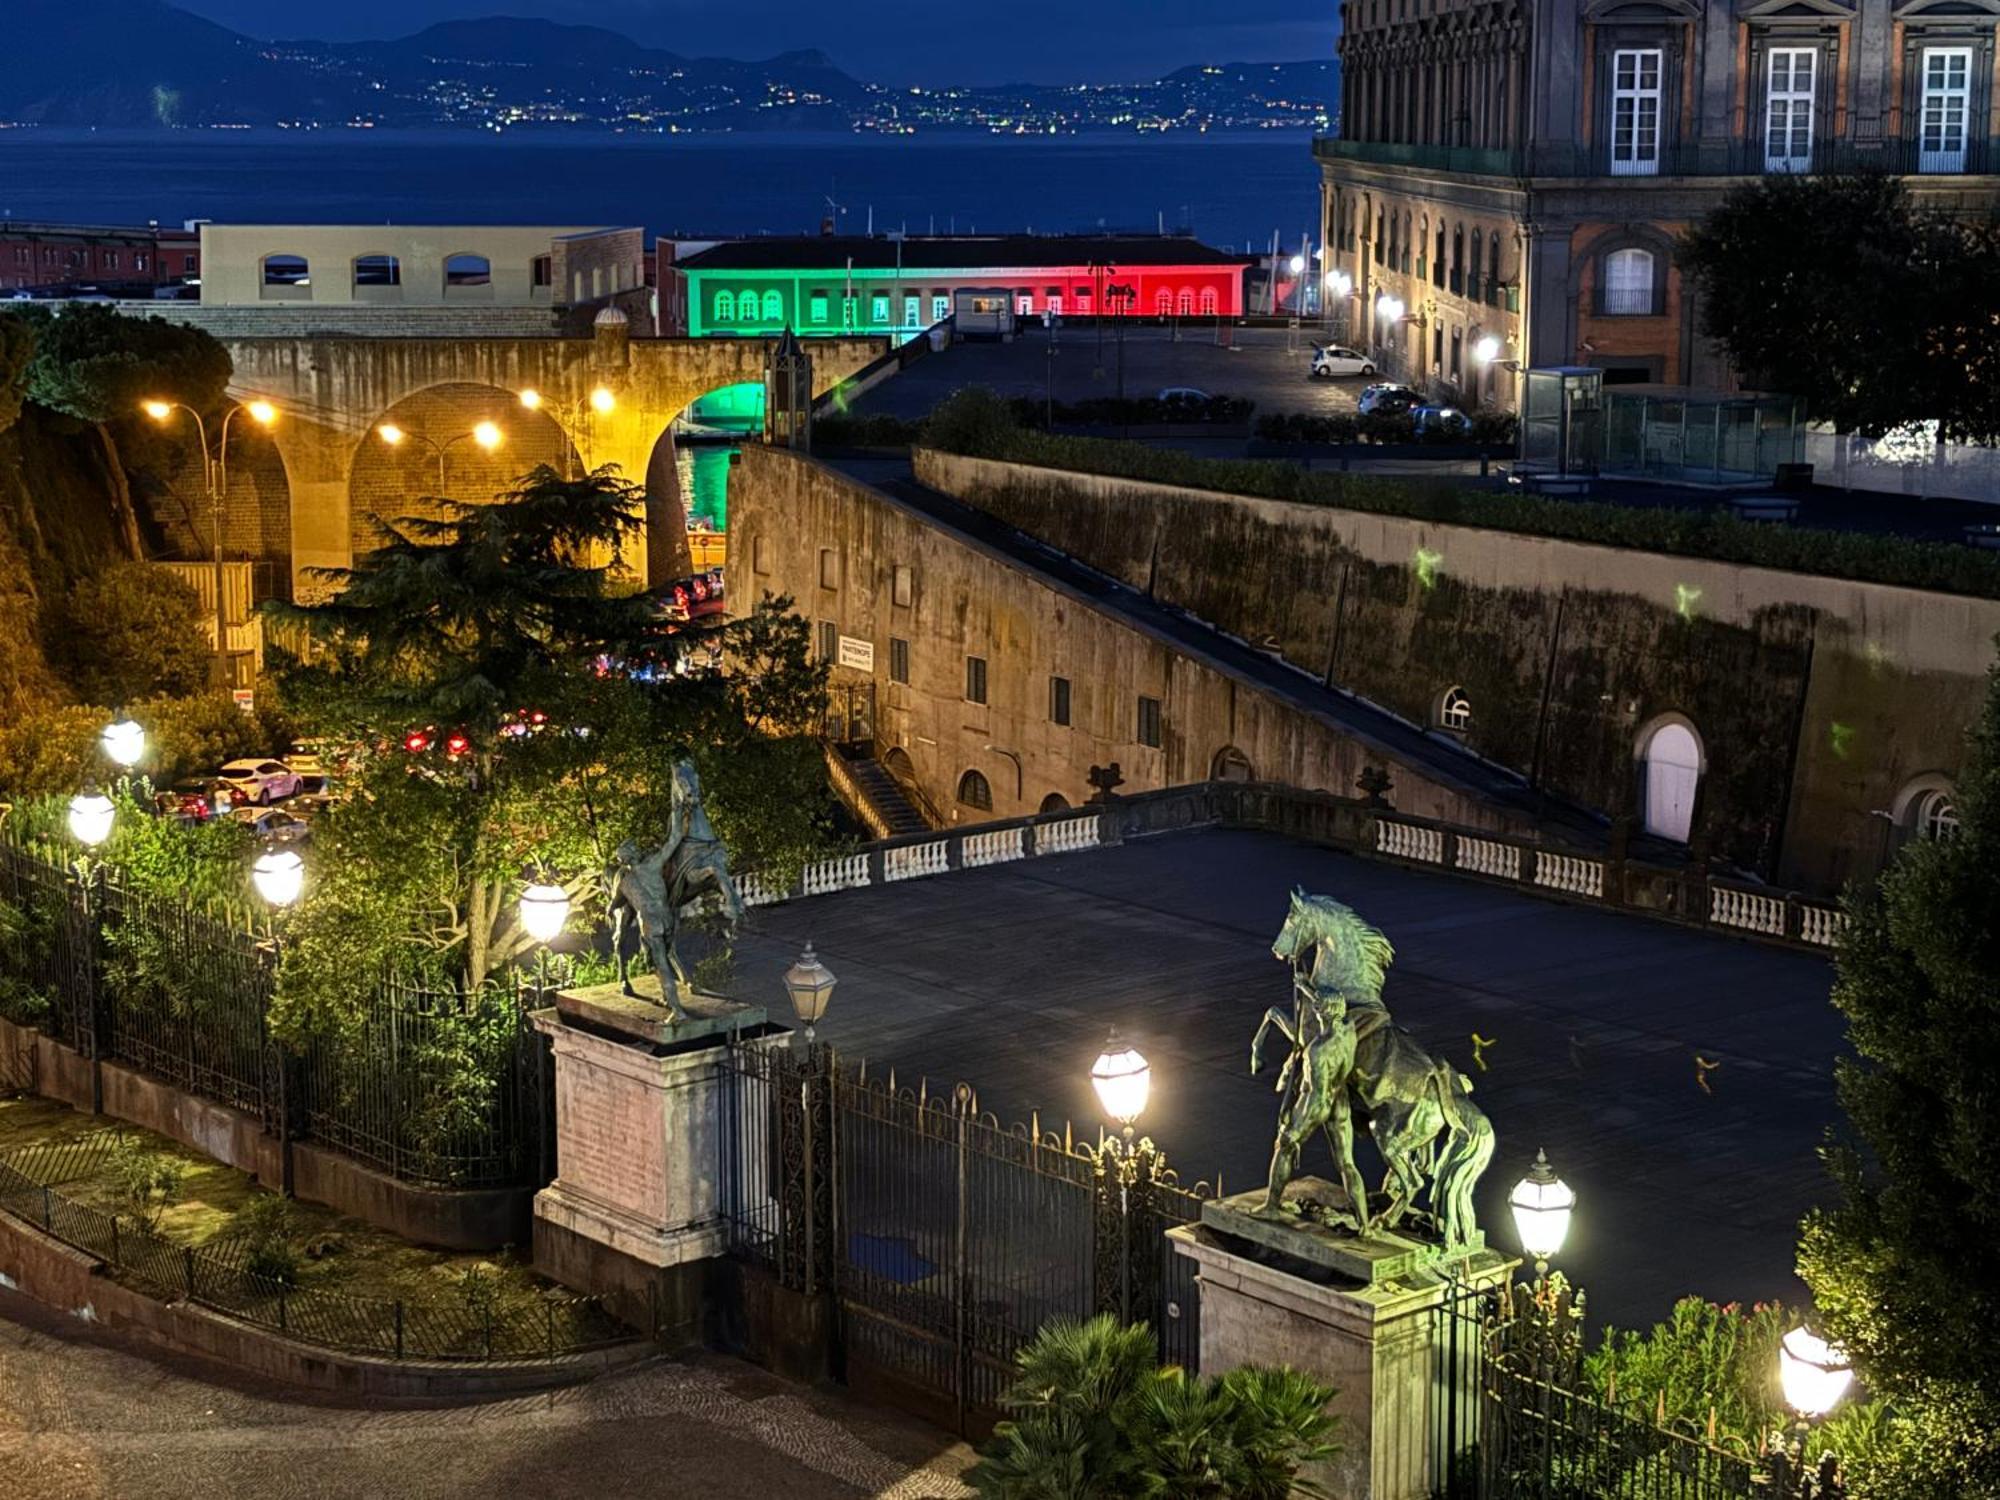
(1673,770)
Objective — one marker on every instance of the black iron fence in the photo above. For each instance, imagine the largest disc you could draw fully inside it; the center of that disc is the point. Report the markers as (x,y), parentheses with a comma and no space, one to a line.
(484,1320)
(945,1239)
(437,1087)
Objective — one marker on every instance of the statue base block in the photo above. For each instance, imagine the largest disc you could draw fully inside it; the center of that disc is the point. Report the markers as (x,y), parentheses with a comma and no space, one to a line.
(607,1010)
(1386,1255)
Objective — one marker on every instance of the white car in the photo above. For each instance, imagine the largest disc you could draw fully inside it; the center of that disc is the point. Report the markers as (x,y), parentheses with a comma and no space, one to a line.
(273,824)
(261,780)
(1334,360)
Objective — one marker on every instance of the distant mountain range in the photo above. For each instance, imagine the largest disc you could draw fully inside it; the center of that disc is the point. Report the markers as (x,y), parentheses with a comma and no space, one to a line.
(139,63)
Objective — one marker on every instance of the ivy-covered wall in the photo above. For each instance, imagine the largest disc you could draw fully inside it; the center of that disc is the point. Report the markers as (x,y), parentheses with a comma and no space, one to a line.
(1816,700)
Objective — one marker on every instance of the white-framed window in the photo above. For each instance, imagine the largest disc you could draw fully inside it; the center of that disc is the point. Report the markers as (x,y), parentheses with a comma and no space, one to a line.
(1055,303)
(1024,303)
(940,309)
(1628,282)
(816,307)
(1945,109)
(910,313)
(1937,815)
(1788,109)
(1635,111)
(725,307)
(1184,304)
(1163,302)
(1455,711)
(878,308)
(1208,302)
(774,307)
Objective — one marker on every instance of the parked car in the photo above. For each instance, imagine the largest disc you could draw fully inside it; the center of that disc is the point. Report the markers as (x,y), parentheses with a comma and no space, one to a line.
(263,781)
(273,824)
(1187,394)
(192,801)
(1388,398)
(1440,419)
(1332,360)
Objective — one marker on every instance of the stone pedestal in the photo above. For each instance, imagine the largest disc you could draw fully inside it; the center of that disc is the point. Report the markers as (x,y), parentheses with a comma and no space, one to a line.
(640,1103)
(1373,1330)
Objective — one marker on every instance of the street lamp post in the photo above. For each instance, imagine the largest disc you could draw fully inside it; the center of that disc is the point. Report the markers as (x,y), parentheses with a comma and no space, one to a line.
(215,479)
(1123,1081)
(279,876)
(1542,1204)
(1814,1376)
(1339,286)
(809,985)
(487,435)
(91,815)
(544,909)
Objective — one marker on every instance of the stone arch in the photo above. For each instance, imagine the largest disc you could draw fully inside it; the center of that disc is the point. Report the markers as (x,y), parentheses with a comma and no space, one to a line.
(387,481)
(687,474)
(975,792)
(1672,763)
(1055,802)
(1230,764)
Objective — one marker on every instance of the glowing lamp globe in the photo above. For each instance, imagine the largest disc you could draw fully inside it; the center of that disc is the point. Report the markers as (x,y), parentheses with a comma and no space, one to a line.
(532,399)
(1813,1373)
(1123,1080)
(124,742)
(390,433)
(263,413)
(159,411)
(602,401)
(279,875)
(544,911)
(487,435)
(1298,264)
(1542,1203)
(90,818)
(809,984)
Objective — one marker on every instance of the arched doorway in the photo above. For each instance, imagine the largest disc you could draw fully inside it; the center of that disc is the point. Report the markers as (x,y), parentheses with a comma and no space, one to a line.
(1671,760)
(1055,802)
(1230,764)
(975,792)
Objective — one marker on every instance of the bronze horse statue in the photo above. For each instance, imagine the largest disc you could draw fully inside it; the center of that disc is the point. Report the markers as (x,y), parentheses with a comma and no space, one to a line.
(1419,1108)
(660,887)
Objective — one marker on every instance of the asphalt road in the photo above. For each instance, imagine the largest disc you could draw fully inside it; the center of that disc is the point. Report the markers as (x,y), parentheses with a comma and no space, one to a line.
(1008,977)
(84,1417)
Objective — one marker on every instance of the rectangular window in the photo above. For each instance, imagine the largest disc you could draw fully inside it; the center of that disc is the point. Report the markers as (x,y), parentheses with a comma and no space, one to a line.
(111,261)
(139,262)
(975,679)
(829,640)
(829,568)
(187,264)
(1024,303)
(1788,109)
(1058,700)
(1635,111)
(1055,304)
(1149,722)
(940,309)
(899,660)
(902,585)
(542,271)
(910,305)
(760,560)
(878,309)
(817,307)
(1947,104)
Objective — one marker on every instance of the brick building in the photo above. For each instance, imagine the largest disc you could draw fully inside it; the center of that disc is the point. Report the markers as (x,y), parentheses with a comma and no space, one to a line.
(1518,170)
(117,261)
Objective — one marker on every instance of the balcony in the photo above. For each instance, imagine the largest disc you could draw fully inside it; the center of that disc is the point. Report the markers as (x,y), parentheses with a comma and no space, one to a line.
(1742,158)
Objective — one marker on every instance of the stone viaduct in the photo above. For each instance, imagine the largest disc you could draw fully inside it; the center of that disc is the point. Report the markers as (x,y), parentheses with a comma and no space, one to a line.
(334,475)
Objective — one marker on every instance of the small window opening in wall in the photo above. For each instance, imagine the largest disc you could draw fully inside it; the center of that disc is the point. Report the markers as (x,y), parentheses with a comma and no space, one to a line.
(541,271)
(1149,722)
(974,792)
(829,568)
(902,586)
(1055,802)
(1058,700)
(377,270)
(829,640)
(286,270)
(1454,711)
(899,659)
(975,679)
(468,270)
(1937,816)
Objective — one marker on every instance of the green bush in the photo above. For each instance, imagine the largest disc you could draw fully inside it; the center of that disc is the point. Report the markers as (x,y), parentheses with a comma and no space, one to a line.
(133,631)
(1093,1414)
(1712,534)
(269,1232)
(149,1181)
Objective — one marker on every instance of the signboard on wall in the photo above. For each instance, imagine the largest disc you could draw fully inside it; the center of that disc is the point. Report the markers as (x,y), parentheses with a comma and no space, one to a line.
(245,699)
(859,655)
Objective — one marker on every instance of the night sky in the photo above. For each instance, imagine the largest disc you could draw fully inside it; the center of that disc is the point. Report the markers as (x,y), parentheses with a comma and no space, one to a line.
(890,41)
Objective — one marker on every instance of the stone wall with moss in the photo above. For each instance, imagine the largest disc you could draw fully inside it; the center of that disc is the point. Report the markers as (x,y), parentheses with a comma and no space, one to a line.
(1817,701)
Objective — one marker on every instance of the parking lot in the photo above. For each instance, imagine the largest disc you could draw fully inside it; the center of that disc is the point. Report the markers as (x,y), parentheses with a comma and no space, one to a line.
(1264,365)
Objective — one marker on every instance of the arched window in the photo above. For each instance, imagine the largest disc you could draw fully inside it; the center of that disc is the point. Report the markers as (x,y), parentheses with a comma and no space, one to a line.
(466,269)
(725,307)
(1230,764)
(1493,268)
(1163,302)
(1671,759)
(1055,802)
(1937,815)
(1478,260)
(1187,302)
(1208,302)
(1628,282)
(974,792)
(1454,710)
(287,270)
(1437,257)
(774,308)
(377,270)
(1408,226)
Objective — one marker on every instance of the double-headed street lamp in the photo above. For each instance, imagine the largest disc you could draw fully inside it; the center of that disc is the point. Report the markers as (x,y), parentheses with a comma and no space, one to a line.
(487,435)
(583,413)
(215,478)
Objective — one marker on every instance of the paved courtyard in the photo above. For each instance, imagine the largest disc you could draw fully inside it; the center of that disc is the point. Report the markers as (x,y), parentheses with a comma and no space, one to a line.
(84,1418)
(1589,1023)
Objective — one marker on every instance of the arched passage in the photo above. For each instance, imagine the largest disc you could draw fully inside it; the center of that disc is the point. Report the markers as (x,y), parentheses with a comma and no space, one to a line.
(687,479)
(1671,766)
(390,480)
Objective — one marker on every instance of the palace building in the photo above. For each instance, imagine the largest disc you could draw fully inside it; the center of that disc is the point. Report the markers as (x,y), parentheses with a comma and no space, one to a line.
(1510,176)
(899,286)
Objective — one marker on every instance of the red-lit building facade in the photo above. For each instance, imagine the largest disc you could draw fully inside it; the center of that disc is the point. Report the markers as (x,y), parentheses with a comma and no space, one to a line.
(846,284)
(117,261)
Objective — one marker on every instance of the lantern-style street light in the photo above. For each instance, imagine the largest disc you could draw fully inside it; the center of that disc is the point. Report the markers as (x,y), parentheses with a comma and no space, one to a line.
(91,815)
(1814,1375)
(279,875)
(124,741)
(215,476)
(1542,1204)
(809,985)
(544,909)
(1123,1080)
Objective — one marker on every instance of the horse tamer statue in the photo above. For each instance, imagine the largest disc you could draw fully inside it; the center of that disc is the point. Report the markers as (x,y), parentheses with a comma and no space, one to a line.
(1347,1056)
(659,887)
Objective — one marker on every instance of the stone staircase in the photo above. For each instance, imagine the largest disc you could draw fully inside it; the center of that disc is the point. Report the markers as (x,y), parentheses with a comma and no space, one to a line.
(877,798)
